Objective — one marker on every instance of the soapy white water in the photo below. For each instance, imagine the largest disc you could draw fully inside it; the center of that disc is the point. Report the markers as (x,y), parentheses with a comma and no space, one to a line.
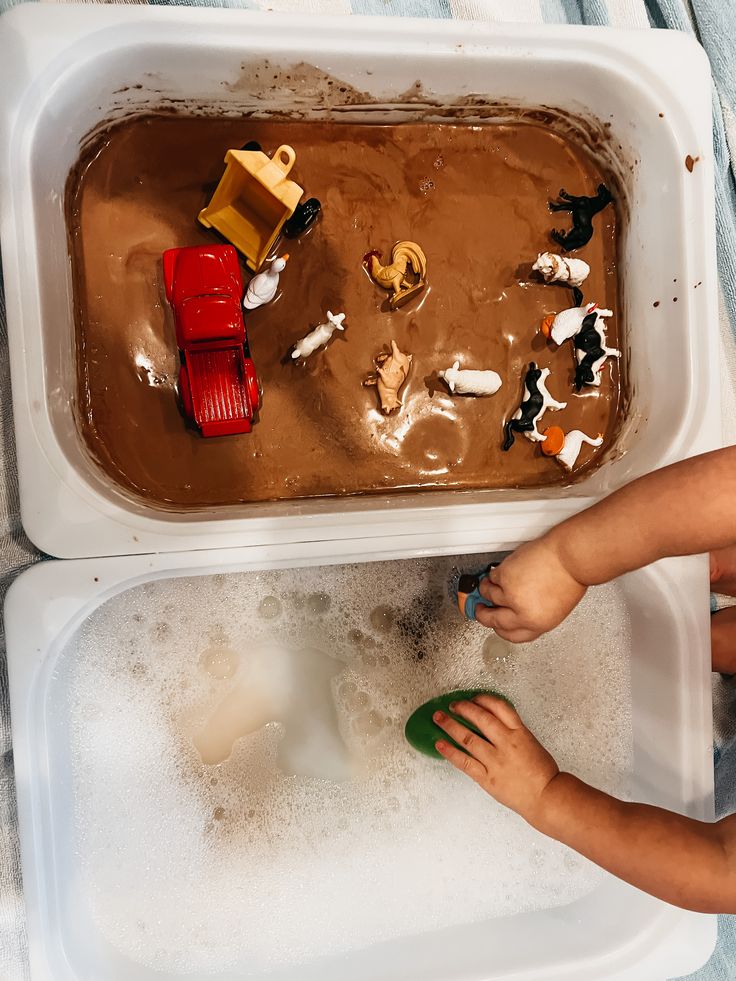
(313,828)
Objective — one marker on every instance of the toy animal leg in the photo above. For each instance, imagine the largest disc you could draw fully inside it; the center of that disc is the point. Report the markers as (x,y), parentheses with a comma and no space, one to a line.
(559,205)
(508,435)
(396,282)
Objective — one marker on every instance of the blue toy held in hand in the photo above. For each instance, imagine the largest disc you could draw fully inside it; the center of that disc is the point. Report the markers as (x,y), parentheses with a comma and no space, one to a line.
(466,590)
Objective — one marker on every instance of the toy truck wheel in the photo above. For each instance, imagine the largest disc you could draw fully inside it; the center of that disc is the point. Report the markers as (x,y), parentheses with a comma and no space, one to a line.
(185,393)
(252,385)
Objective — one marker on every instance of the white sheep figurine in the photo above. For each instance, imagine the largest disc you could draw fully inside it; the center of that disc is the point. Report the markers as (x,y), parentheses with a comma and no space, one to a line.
(319,336)
(465,381)
(559,269)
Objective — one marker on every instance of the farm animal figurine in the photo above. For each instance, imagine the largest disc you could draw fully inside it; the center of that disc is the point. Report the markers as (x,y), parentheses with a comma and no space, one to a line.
(582,210)
(303,218)
(262,288)
(562,326)
(389,376)
(394,276)
(566,447)
(557,269)
(467,382)
(319,336)
(256,695)
(591,351)
(535,401)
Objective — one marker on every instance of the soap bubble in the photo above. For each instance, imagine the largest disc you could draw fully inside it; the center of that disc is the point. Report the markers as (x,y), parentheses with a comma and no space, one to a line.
(315,793)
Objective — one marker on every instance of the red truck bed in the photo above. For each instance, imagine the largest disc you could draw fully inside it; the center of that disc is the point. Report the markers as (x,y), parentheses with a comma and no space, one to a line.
(219,398)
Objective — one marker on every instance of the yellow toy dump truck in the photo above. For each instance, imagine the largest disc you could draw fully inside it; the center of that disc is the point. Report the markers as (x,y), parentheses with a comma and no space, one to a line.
(255,201)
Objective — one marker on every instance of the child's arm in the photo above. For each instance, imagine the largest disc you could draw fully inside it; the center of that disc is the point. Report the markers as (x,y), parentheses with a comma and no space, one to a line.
(684,509)
(685,862)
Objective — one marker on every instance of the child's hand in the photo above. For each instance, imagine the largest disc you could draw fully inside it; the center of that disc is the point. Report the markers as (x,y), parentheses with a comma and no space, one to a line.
(723,570)
(509,763)
(532,592)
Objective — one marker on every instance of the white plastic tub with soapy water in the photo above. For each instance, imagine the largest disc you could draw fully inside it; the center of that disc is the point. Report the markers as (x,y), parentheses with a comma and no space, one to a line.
(614,932)
(66,70)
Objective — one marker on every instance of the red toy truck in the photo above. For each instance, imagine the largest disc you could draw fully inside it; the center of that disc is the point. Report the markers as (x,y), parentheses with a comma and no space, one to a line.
(217,379)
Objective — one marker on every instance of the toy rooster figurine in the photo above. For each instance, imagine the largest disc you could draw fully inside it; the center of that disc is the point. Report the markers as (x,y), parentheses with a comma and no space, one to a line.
(262,288)
(389,376)
(394,276)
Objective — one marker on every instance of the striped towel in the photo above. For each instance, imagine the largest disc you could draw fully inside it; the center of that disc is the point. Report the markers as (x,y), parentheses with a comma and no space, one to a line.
(713,22)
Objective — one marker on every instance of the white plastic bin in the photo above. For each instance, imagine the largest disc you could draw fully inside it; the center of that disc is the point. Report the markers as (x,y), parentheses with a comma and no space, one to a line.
(67,69)
(615,932)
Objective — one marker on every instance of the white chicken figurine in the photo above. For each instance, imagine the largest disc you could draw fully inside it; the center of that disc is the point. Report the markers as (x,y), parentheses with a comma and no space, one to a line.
(319,336)
(568,323)
(465,381)
(262,288)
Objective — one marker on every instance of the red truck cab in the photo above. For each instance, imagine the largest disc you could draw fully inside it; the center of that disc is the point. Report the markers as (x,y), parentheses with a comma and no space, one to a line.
(217,378)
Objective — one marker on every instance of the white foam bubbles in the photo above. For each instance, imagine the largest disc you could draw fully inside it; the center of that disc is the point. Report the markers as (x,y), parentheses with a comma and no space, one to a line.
(312,827)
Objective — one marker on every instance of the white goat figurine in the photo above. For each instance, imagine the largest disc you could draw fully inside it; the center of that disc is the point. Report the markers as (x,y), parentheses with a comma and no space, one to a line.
(319,336)
(559,269)
(573,444)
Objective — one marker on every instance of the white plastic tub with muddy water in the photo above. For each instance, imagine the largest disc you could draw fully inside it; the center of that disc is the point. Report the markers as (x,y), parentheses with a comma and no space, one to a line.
(213,779)
(644,97)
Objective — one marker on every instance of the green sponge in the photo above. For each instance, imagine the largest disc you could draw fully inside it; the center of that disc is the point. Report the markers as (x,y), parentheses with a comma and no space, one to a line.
(422,732)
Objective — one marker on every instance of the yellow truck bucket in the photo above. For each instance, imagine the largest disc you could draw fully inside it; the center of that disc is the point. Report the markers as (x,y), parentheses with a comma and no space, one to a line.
(253,200)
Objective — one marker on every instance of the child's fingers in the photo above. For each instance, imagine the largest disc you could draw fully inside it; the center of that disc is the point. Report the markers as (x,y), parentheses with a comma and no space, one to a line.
(522,635)
(501,709)
(461,761)
(498,618)
(488,723)
(492,592)
(471,742)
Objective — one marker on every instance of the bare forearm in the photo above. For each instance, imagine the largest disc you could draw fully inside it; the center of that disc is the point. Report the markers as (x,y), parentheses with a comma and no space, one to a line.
(682,861)
(684,509)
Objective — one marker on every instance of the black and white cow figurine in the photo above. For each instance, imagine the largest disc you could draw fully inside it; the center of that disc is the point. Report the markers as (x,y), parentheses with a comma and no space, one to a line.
(591,351)
(535,401)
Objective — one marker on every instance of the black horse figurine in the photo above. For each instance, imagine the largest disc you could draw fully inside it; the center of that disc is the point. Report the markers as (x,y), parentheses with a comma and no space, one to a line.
(582,210)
